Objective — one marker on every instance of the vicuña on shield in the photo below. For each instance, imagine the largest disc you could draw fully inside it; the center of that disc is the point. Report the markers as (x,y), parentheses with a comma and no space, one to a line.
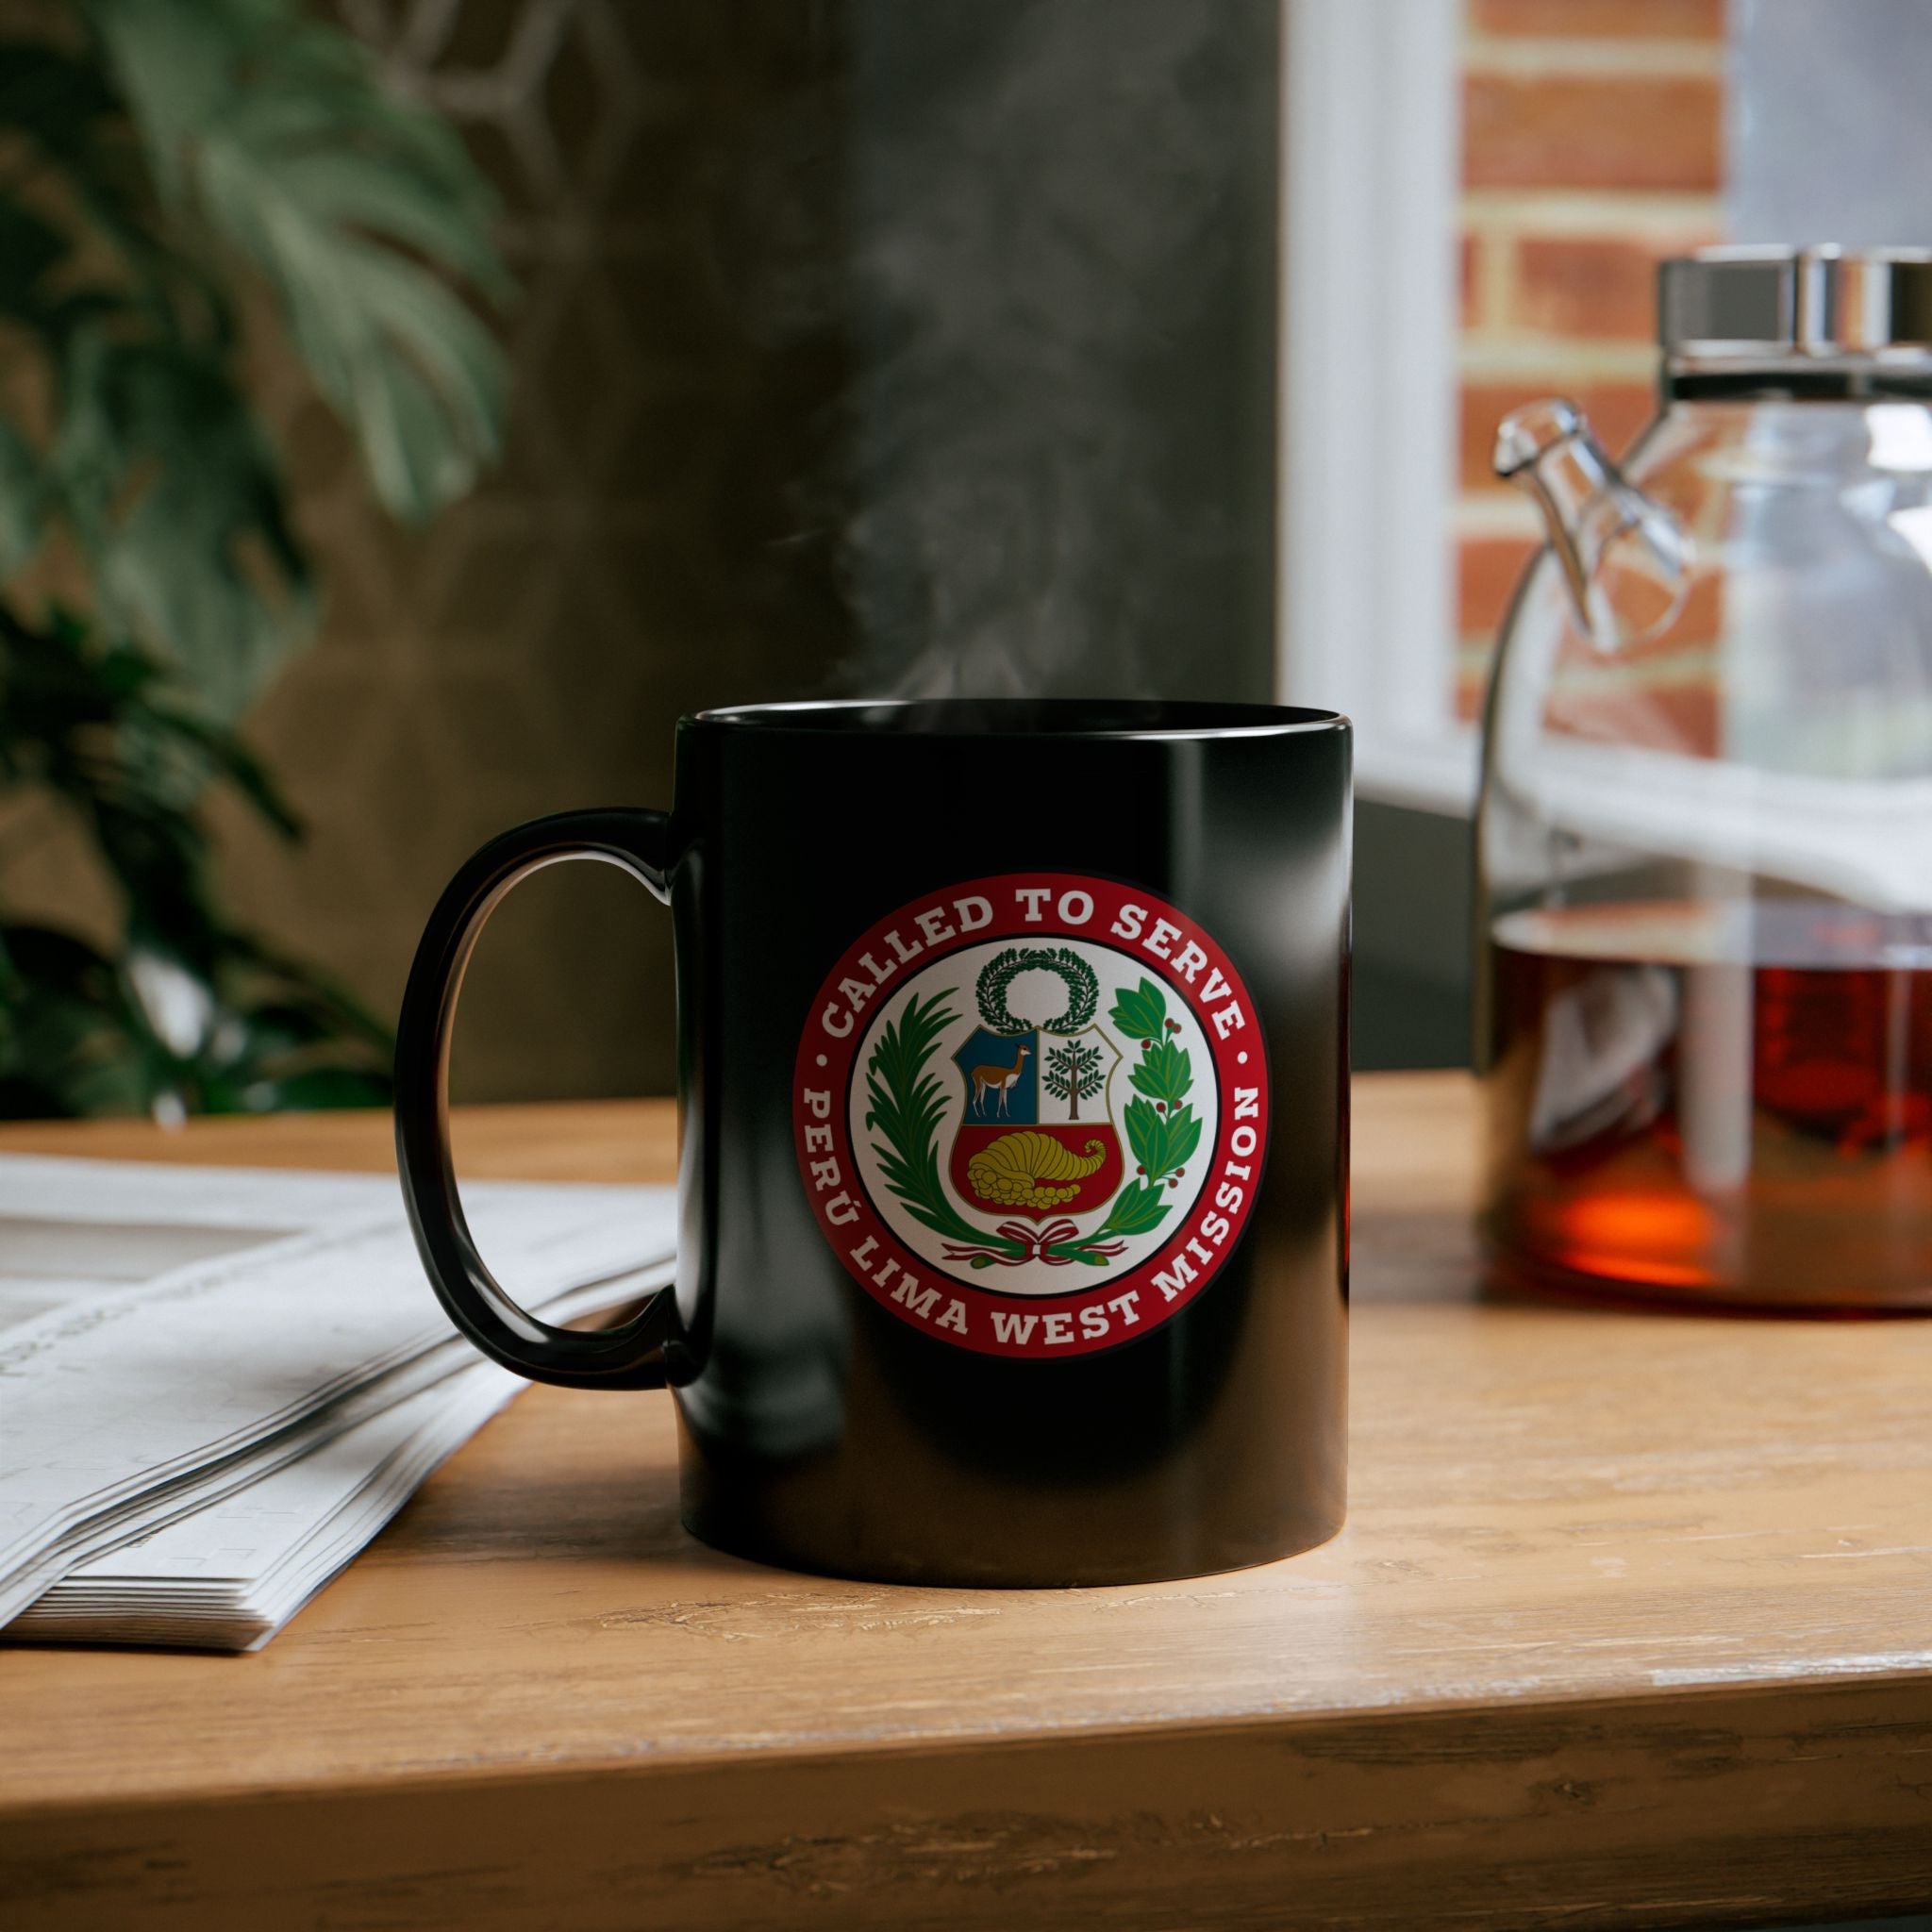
(998,1080)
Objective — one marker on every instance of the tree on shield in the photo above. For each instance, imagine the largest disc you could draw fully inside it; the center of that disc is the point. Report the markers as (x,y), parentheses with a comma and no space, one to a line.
(1072,1074)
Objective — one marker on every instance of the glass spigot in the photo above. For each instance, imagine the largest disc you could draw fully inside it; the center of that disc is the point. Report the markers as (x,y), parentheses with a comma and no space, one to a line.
(1626,559)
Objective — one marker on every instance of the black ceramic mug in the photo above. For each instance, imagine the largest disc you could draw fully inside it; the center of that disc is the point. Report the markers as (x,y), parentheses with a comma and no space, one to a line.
(1013,1082)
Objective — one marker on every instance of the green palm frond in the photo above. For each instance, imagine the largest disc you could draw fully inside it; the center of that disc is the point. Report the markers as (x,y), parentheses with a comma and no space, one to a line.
(905,1105)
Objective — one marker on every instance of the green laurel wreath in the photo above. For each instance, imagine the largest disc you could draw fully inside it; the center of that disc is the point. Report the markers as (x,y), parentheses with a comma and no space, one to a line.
(1083,988)
(1162,1129)
(904,1107)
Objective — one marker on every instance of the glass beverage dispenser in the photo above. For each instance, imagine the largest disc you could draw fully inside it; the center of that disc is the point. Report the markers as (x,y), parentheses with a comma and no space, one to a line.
(1705,838)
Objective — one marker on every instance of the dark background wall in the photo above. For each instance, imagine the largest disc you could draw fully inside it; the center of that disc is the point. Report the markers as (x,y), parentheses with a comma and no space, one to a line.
(1412,948)
(1061,279)
(862,345)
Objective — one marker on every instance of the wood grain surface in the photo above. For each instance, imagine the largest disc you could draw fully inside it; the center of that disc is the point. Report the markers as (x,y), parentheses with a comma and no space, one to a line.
(1631,1625)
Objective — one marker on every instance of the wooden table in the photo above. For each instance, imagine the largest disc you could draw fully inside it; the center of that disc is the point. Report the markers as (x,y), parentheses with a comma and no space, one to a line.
(1631,1625)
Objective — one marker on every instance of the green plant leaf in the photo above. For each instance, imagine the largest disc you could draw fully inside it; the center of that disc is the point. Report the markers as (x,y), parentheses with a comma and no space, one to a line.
(1140,1012)
(229,759)
(30,249)
(22,500)
(176,498)
(75,140)
(50,95)
(351,201)
(170,62)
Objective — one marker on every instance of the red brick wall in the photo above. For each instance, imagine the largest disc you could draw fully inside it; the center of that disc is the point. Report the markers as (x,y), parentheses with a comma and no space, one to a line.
(1591,148)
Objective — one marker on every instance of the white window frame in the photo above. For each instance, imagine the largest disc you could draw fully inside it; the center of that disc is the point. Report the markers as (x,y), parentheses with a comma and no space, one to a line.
(1369,308)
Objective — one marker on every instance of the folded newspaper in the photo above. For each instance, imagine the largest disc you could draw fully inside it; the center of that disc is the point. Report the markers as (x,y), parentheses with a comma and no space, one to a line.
(217,1384)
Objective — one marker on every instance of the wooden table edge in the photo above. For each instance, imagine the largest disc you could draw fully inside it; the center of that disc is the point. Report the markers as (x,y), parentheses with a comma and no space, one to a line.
(1507,1817)
(1599,1713)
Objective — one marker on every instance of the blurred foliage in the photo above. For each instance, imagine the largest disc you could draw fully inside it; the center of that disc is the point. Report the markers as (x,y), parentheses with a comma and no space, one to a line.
(159,158)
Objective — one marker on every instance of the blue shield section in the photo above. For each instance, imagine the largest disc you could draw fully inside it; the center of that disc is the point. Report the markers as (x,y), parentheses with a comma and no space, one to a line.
(1002,1075)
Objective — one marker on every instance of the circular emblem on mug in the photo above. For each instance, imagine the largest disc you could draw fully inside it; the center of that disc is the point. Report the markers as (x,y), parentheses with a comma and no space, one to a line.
(1032,1112)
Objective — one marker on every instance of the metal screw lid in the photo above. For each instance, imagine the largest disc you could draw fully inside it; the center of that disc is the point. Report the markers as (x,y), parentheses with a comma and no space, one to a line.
(1773,305)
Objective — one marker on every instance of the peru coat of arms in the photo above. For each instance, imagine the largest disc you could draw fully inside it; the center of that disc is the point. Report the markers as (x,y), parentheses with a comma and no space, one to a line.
(1032,1112)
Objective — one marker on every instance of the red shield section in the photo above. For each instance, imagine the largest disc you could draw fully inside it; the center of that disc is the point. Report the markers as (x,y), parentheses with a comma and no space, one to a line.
(995,1169)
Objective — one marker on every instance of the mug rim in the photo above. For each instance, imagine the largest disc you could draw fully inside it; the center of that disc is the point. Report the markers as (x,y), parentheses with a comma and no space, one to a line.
(1024,718)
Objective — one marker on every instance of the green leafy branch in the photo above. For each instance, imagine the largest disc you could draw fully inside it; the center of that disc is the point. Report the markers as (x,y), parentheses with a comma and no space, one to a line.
(905,1105)
(1162,1141)
(1162,1131)
(1163,1074)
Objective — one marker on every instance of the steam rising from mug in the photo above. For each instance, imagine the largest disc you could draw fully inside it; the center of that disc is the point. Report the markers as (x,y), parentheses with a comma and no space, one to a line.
(1056,444)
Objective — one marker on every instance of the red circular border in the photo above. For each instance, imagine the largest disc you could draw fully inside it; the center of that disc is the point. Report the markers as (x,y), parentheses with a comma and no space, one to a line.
(828,1086)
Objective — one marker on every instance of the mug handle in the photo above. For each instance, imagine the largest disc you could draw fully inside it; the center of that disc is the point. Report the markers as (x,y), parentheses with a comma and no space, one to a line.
(629,1357)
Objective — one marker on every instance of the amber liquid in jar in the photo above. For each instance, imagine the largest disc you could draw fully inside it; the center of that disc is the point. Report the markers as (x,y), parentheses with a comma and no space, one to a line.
(1713,1103)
